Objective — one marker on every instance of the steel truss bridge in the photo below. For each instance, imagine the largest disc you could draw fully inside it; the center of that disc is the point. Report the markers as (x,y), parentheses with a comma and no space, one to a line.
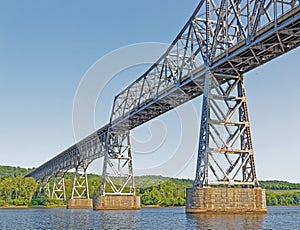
(222,40)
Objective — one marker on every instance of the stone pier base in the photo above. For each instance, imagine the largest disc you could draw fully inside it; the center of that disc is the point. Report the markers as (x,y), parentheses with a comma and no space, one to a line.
(117,203)
(80,204)
(225,200)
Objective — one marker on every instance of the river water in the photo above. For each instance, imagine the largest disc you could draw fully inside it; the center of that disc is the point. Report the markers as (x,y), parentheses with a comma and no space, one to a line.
(147,218)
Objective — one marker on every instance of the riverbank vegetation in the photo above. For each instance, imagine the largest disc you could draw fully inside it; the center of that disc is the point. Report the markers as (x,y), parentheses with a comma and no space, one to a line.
(281,193)
(15,190)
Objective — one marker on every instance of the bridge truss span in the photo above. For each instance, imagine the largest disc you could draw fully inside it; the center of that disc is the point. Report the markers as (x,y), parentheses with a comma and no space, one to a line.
(233,41)
(220,43)
(78,155)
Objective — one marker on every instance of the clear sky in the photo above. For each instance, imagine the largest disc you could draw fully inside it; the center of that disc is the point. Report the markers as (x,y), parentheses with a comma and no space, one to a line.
(46,47)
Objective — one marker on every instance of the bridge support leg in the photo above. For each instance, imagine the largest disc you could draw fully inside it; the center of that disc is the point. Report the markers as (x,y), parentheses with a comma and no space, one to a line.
(117,187)
(47,189)
(44,189)
(225,154)
(59,191)
(80,198)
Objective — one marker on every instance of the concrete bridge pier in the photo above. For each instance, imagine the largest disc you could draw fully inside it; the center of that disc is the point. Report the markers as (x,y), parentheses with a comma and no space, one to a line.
(117,202)
(82,203)
(225,200)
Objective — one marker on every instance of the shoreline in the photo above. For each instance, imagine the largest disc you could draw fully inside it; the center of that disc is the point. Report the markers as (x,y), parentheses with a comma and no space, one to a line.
(156,206)
(29,207)
(145,207)
(14,207)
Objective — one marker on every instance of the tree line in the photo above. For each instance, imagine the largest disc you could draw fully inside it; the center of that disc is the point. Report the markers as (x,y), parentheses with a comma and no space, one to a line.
(279,185)
(15,190)
(283,199)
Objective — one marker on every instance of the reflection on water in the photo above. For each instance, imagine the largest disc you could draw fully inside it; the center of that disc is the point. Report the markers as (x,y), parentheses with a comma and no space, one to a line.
(117,219)
(234,221)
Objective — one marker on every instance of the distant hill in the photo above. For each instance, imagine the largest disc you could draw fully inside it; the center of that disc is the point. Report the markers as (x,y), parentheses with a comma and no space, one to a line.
(14,171)
(279,185)
(154,190)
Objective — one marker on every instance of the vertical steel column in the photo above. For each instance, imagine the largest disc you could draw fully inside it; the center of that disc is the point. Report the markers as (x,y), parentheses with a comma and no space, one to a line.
(59,190)
(202,162)
(225,154)
(47,188)
(44,188)
(117,176)
(248,170)
(104,170)
(80,188)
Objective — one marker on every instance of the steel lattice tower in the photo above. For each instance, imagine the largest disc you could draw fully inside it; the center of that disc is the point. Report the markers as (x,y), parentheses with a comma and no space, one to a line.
(225,154)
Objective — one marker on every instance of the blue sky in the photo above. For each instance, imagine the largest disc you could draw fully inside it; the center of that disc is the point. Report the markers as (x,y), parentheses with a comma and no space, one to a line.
(46,47)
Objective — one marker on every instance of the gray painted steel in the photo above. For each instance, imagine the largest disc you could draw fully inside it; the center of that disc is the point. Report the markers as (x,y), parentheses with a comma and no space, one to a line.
(223,39)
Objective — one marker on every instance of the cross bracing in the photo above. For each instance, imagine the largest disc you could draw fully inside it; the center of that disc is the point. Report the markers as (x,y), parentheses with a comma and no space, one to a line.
(223,39)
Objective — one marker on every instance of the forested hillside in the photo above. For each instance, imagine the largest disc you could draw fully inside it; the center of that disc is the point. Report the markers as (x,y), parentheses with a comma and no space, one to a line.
(13,171)
(279,185)
(281,192)
(15,190)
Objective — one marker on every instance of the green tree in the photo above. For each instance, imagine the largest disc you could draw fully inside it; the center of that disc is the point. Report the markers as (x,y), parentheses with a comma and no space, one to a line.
(16,191)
